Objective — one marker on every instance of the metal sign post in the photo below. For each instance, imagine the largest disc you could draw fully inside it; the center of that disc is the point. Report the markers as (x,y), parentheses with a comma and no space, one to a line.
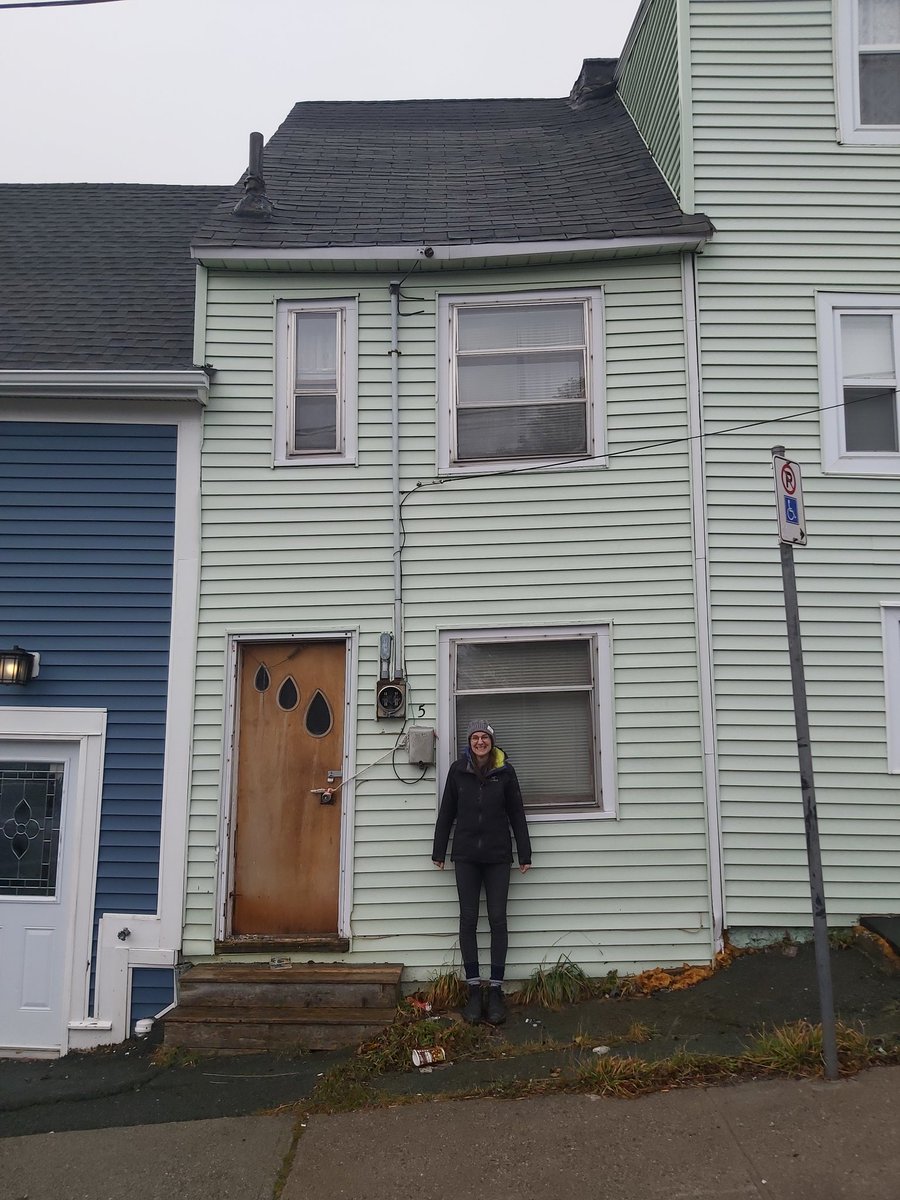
(792,532)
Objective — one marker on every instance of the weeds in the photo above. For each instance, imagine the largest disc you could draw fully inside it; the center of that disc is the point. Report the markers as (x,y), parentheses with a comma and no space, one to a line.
(841,939)
(174,1056)
(638,1032)
(445,991)
(552,987)
(796,1049)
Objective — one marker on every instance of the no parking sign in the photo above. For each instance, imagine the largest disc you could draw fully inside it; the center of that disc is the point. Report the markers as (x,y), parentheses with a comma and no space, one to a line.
(789,501)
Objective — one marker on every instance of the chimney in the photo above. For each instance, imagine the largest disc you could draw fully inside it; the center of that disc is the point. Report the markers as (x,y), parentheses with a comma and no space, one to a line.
(254,202)
(596,81)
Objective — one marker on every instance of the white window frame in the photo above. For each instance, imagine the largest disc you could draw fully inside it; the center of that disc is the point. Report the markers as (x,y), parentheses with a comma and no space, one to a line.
(830,307)
(600,637)
(890,627)
(595,390)
(851,131)
(347,377)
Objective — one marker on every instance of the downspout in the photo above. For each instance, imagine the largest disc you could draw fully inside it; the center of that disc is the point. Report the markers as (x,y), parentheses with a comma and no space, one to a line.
(702,602)
(397,649)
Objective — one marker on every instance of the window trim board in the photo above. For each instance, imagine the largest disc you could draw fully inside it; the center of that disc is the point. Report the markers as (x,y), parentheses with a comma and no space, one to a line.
(348,373)
(595,382)
(890,631)
(830,306)
(605,749)
(850,130)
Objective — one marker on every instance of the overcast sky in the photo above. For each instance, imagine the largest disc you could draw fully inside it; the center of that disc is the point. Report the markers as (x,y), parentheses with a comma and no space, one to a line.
(167,91)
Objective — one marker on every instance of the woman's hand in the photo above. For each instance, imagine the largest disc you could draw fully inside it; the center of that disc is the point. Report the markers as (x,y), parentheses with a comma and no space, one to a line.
(439,865)
(523,867)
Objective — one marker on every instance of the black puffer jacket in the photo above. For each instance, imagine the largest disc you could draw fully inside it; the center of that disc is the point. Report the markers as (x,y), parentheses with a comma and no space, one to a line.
(483,807)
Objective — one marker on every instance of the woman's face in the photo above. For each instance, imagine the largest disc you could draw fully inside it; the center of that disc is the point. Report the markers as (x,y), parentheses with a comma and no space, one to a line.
(481,745)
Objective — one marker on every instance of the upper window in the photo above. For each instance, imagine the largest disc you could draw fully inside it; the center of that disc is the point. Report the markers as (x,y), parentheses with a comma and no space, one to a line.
(315,411)
(548,697)
(868,66)
(859,350)
(519,379)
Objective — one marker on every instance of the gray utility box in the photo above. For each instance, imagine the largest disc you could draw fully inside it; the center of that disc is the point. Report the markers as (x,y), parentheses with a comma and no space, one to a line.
(420,743)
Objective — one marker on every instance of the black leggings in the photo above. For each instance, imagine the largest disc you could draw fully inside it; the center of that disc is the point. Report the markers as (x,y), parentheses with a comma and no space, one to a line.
(469,879)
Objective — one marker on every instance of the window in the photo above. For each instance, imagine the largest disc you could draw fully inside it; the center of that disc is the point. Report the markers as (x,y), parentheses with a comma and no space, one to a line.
(868,68)
(519,381)
(859,349)
(315,412)
(548,696)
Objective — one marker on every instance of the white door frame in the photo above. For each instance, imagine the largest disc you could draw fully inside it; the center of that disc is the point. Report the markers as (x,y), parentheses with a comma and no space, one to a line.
(229,769)
(86,728)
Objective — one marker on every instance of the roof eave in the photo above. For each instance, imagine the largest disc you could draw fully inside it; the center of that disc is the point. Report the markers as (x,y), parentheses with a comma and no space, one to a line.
(99,384)
(432,255)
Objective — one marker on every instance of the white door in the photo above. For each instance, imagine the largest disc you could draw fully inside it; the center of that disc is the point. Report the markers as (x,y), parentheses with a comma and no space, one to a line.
(36,791)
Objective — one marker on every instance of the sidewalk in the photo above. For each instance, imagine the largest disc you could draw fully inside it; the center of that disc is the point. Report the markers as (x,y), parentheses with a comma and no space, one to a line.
(783,1140)
(153,1130)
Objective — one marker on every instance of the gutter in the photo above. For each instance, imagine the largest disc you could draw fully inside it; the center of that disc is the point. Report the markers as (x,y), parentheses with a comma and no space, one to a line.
(706,677)
(118,385)
(435,255)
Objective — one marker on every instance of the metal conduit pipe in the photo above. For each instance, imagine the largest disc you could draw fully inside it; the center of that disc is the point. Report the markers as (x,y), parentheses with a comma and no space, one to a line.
(397,652)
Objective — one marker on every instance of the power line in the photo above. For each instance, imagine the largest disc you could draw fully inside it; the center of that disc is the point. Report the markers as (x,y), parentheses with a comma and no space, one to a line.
(53,3)
(600,458)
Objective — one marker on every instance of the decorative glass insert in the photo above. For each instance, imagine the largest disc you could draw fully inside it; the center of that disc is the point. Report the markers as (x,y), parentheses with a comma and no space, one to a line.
(318,716)
(262,679)
(288,696)
(30,816)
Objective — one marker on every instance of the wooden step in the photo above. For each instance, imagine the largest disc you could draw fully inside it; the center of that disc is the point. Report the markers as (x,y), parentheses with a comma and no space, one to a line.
(307,985)
(204,1027)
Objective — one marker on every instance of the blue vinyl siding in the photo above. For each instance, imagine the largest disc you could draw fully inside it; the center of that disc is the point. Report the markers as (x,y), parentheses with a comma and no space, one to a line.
(86,552)
(152,990)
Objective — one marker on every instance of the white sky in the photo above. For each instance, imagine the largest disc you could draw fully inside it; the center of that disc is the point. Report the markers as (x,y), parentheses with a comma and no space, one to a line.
(168,91)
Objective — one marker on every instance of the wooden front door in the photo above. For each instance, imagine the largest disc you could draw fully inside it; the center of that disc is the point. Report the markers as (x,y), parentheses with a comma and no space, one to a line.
(287,843)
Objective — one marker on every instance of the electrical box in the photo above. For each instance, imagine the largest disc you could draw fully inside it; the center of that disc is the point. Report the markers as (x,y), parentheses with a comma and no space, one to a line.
(390,698)
(420,743)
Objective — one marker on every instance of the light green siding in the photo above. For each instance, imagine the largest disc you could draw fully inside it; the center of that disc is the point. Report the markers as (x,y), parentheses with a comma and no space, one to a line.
(794,213)
(648,84)
(309,550)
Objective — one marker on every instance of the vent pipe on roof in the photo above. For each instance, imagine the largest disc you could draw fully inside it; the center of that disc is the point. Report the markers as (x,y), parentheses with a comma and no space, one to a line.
(597,79)
(254,202)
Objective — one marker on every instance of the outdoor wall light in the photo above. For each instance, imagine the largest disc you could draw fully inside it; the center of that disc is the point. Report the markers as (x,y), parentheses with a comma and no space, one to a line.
(18,665)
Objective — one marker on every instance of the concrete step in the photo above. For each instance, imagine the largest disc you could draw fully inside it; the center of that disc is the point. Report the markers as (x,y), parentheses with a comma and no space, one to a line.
(203,1027)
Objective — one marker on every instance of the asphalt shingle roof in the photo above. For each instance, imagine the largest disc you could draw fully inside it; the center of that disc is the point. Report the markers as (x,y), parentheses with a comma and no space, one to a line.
(98,276)
(415,172)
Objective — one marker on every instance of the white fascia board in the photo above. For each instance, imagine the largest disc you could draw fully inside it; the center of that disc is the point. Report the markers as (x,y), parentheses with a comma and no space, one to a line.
(122,385)
(453,253)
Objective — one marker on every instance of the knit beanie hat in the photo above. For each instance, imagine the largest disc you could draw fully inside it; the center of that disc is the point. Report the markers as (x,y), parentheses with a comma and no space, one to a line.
(479,727)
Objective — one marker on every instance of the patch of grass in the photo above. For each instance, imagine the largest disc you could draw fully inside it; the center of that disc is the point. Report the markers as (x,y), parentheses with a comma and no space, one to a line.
(841,939)
(615,1076)
(174,1056)
(796,1049)
(351,1084)
(551,987)
(445,991)
(638,1032)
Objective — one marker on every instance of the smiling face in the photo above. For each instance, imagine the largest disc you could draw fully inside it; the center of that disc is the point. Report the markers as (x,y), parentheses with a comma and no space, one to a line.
(481,745)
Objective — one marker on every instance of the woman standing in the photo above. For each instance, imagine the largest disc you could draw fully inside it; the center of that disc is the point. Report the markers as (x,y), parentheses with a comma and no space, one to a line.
(482,797)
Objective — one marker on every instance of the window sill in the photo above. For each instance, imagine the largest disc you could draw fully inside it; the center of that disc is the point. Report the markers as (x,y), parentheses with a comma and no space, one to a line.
(519,466)
(542,815)
(874,466)
(314,460)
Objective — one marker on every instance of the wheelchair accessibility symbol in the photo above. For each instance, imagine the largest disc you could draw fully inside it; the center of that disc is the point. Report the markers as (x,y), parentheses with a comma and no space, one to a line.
(791,511)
